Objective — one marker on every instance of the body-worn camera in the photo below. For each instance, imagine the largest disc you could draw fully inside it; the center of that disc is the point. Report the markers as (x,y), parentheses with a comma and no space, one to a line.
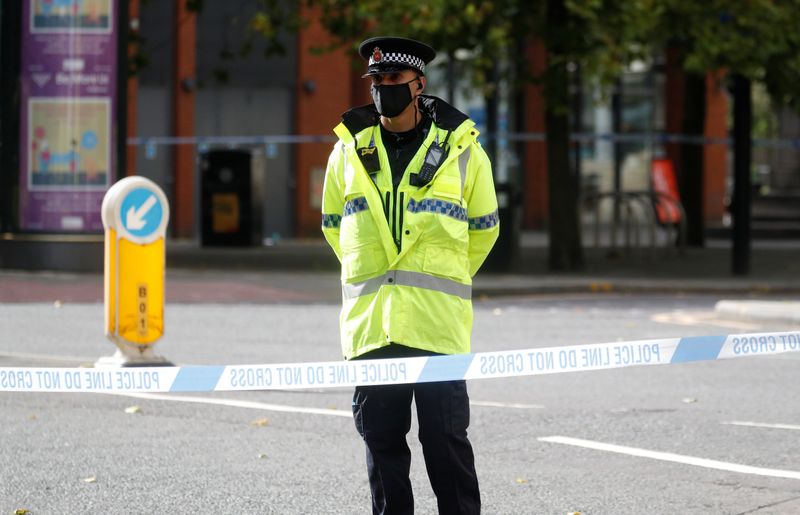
(369,158)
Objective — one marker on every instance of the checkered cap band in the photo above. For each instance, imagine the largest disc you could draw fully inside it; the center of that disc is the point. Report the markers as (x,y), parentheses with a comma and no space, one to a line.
(398,58)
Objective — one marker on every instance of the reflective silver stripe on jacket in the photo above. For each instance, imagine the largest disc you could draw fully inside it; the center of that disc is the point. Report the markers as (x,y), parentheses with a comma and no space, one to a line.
(407,278)
(463,161)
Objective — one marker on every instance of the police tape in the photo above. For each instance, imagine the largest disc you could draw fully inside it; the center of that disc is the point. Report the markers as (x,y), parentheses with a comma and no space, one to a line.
(482,365)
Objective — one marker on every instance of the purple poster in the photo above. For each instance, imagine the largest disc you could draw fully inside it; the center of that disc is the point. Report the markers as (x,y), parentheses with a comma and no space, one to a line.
(69,77)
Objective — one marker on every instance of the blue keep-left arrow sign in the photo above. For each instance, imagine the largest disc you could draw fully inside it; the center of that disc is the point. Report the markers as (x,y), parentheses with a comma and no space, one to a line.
(141,212)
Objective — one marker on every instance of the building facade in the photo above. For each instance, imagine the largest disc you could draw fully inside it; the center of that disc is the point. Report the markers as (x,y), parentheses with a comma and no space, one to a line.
(195,91)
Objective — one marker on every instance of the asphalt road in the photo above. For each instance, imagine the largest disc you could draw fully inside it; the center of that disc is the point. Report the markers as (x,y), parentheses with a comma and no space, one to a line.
(211,453)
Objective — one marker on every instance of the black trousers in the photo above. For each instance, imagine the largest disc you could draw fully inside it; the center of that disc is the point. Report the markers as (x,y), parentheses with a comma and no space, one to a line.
(382,416)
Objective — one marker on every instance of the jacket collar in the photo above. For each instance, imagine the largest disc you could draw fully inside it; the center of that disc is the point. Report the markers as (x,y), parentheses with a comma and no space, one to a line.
(443,115)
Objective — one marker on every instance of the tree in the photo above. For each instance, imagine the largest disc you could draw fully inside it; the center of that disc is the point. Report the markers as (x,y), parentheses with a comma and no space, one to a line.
(753,41)
(598,35)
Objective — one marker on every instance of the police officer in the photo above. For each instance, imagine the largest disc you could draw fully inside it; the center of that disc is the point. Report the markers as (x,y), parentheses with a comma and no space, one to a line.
(410,210)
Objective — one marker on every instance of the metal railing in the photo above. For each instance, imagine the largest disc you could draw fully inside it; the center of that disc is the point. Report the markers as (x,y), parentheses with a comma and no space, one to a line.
(635,222)
(583,137)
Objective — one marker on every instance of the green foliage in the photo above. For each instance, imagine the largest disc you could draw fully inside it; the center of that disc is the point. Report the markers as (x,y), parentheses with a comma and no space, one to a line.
(194,5)
(272,18)
(765,121)
(601,36)
(755,38)
(486,28)
(261,30)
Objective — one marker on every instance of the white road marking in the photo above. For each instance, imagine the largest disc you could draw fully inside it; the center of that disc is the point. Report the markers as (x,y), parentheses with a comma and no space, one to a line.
(236,403)
(675,458)
(701,318)
(45,357)
(761,424)
(283,408)
(492,404)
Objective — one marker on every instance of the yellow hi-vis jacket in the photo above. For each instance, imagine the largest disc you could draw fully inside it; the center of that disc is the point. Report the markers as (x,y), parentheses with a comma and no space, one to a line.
(408,253)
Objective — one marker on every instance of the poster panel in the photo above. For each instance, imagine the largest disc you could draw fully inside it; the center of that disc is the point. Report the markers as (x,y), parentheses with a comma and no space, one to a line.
(68,102)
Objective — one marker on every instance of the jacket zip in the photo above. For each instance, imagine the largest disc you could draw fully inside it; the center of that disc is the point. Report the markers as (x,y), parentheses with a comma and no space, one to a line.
(395,229)
(400,222)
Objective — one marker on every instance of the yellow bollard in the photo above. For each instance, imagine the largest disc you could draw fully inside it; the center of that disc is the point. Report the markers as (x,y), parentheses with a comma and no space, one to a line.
(135,214)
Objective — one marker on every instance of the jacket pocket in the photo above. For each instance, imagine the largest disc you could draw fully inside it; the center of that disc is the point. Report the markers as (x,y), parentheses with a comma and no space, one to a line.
(362,262)
(358,225)
(445,262)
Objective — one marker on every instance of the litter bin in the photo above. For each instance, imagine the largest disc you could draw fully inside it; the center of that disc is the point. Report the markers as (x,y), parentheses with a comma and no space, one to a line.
(505,253)
(226,198)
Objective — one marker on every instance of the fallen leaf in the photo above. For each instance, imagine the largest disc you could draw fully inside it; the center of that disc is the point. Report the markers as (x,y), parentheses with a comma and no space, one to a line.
(521,481)
(22,511)
(262,456)
(32,416)
(133,409)
(90,479)
(260,422)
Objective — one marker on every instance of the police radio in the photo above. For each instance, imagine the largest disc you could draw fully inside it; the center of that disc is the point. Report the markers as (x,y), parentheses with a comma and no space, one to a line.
(434,158)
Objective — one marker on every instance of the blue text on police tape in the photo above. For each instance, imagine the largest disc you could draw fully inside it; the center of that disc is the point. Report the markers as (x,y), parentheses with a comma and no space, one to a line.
(559,360)
(402,370)
(746,344)
(80,380)
(324,374)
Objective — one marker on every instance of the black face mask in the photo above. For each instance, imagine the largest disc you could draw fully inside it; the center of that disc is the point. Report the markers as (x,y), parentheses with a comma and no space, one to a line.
(392,99)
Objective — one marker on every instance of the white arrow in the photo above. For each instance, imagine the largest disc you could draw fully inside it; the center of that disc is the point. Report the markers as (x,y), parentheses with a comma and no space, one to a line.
(134,220)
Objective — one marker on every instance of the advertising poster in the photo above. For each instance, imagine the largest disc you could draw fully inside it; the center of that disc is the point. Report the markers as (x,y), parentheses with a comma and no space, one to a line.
(69,73)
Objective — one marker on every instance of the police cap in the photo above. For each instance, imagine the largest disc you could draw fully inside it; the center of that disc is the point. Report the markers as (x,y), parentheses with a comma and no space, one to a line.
(392,54)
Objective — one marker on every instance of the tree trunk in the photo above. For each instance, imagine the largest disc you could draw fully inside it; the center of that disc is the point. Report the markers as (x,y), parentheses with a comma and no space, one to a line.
(451,78)
(565,251)
(492,103)
(565,242)
(742,141)
(691,170)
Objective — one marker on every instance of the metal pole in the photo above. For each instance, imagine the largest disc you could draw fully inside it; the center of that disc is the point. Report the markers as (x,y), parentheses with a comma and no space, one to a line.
(577,123)
(742,140)
(123,28)
(451,77)
(10,40)
(616,113)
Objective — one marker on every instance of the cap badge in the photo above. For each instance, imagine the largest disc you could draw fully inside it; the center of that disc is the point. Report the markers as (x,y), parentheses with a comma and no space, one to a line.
(377,55)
